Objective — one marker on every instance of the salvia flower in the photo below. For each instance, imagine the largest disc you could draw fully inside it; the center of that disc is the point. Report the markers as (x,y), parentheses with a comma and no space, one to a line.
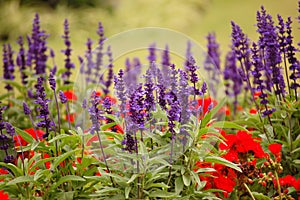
(137,106)
(96,114)
(121,91)
(26,109)
(173,115)
(152,56)
(8,65)
(292,59)
(130,143)
(37,47)
(192,68)
(52,81)
(188,53)
(43,109)
(165,63)
(68,64)
(162,99)
(62,97)
(212,62)
(110,76)
(90,63)
(21,60)
(6,139)
(149,89)
(183,96)
(240,44)
(234,82)
(101,40)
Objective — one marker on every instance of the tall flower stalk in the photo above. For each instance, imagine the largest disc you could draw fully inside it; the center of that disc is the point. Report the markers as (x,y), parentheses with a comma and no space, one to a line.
(96,116)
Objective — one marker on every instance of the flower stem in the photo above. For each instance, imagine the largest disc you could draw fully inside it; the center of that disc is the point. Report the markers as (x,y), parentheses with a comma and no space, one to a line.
(278,185)
(58,121)
(68,115)
(104,157)
(249,191)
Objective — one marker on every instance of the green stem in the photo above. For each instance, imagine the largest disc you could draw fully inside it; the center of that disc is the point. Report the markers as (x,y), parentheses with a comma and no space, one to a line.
(278,185)
(104,158)
(249,191)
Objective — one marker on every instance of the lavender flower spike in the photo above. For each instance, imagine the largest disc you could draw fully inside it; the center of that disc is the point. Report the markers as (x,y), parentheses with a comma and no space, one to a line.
(62,97)
(68,64)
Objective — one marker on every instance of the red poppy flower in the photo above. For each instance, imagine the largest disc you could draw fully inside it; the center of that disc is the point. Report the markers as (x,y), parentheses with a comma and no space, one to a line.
(256,94)
(225,110)
(208,104)
(275,149)
(241,142)
(98,93)
(3,195)
(70,95)
(71,116)
(47,164)
(253,111)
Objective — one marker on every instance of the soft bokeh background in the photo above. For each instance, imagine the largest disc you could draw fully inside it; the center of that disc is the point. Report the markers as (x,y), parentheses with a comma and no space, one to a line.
(194,18)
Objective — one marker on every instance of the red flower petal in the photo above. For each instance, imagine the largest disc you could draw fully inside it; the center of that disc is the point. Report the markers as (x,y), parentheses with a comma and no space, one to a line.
(275,149)
(3,195)
(70,95)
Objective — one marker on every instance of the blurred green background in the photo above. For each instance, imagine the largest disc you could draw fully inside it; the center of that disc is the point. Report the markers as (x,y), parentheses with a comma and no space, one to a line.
(194,18)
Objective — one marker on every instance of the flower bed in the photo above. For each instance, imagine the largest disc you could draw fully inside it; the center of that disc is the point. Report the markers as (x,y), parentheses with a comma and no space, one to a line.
(155,130)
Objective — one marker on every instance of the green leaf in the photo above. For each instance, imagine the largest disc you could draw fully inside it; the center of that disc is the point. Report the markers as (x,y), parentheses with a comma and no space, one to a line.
(260,196)
(157,185)
(178,185)
(227,124)
(59,137)
(200,184)
(162,194)
(62,157)
(127,191)
(27,137)
(222,161)
(107,126)
(20,179)
(15,170)
(187,179)
(40,162)
(66,179)
(133,177)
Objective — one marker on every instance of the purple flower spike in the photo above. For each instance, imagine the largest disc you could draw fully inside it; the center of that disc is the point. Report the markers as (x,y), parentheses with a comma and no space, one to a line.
(95,113)
(99,61)
(192,68)
(52,81)
(137,106)
(21,60)
(183,97)
(10,129)
(68,64)
(152,56)
(26,109)
(121,91)
(292,59)
(42,101)
(110,76)
(149,89)
(62,97)
(8,65)
(90,63)
(212,62)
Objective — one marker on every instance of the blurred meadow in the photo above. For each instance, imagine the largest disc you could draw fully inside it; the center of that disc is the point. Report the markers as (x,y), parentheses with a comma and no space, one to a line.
(193,18)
